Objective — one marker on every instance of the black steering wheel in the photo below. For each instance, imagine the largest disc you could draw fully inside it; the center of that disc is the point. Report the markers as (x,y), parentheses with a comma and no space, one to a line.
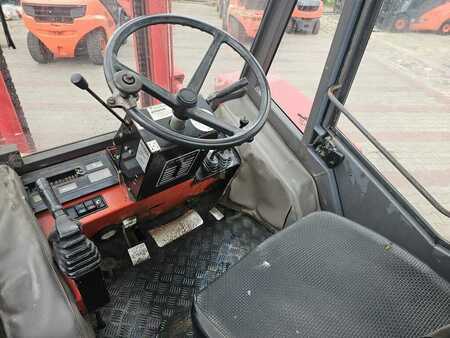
(125,85)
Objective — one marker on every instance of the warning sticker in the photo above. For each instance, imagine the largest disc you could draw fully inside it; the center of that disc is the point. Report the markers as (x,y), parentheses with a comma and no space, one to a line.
(177,167)
(159,111)
(142,155)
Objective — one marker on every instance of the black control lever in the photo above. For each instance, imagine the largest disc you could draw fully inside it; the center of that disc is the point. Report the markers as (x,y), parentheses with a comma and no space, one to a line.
(78,80)
(48,196)
(64,226)
(233,91)
(76,256)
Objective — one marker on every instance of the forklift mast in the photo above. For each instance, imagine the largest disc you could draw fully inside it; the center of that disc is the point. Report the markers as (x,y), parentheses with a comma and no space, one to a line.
(154,63)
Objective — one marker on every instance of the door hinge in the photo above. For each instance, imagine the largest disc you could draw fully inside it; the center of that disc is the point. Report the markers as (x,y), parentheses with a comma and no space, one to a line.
(328,151)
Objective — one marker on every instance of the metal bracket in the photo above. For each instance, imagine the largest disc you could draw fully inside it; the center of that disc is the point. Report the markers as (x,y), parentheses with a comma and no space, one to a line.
(320,134)
(328,151)
(118,101)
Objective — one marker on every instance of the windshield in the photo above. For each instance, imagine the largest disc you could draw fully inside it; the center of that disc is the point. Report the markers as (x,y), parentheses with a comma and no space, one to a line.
(57,38)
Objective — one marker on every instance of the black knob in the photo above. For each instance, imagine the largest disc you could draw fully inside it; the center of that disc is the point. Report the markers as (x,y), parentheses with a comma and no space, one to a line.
(78,80)
(243,122)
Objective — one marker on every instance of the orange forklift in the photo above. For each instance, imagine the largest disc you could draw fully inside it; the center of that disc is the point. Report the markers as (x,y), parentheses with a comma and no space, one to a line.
(68,28)
(416,16)
(243,17)
(306,17)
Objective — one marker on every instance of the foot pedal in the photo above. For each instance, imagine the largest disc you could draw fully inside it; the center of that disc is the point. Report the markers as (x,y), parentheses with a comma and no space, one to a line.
(176,228)
(217,214)
(138,254)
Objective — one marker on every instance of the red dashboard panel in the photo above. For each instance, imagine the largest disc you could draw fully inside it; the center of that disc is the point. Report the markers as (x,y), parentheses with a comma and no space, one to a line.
(121,206)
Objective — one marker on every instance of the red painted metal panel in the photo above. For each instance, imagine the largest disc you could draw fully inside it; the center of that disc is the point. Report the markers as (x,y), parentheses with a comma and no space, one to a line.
(154,53)
(76,294)
(11,131)
(121,206)
(153,49)
(294,103)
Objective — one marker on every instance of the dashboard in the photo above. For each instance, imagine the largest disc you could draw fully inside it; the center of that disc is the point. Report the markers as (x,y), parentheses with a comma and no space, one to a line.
(141,176)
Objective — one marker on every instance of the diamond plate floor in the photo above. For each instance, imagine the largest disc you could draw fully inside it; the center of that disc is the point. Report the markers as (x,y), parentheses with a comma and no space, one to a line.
(155,297)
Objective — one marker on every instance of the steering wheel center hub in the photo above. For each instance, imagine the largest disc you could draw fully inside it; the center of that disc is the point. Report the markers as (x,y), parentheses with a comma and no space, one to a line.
(187,97)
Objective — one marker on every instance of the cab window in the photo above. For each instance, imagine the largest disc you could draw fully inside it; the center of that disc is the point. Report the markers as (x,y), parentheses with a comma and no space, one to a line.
(255,4)
(297,67)
(401,96)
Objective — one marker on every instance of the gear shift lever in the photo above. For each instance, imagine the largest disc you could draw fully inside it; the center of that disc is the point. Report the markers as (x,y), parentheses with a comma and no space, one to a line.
(78,80)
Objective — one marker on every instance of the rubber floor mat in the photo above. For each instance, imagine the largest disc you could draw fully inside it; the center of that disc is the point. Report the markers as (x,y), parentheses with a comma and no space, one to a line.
(154,298)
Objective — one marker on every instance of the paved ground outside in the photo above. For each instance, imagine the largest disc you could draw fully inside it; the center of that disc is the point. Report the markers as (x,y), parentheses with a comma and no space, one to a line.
(401,94)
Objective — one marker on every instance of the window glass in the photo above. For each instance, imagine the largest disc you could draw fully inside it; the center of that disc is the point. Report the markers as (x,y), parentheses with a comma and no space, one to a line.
(56,38)
(401,94)
(296,70)
(255,4)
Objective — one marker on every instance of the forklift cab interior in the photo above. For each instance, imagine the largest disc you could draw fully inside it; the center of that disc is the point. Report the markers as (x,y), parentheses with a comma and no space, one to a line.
(208,212)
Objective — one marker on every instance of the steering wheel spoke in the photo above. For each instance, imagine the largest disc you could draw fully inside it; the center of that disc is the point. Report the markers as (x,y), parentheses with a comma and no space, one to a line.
(151,88)
(208,119)
(202,71)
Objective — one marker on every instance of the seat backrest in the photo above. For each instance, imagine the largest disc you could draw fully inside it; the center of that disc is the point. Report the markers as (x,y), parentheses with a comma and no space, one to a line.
(34,301)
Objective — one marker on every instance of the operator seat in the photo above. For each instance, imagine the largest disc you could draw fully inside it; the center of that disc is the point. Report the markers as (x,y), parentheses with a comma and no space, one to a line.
(325,276)
(34,301)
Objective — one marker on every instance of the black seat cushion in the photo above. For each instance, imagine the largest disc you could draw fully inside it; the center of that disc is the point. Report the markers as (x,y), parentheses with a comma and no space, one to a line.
(325,276)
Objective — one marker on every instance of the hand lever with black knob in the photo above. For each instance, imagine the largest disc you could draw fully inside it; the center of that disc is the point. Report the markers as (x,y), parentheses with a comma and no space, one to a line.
(64,226)
(78,80)
(234,91)
(48,196)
